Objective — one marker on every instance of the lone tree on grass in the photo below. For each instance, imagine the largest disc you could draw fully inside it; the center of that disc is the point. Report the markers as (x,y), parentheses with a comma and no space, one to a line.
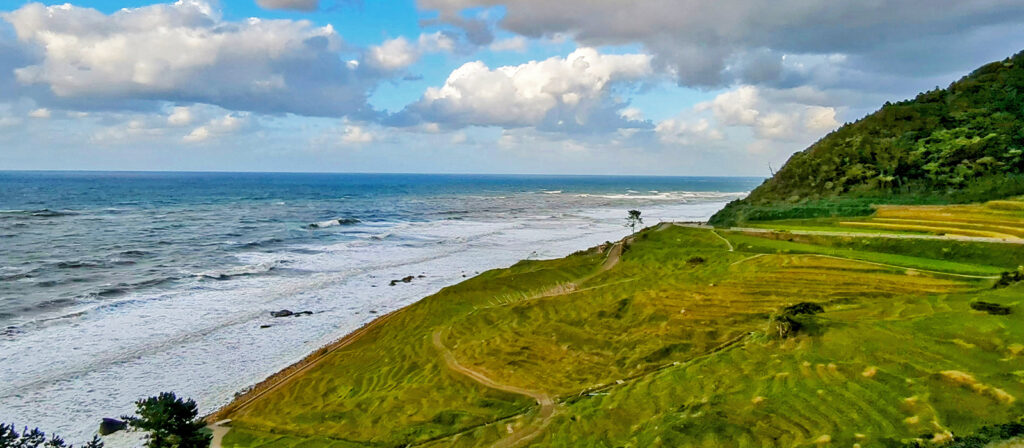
(170,421)
(633,219)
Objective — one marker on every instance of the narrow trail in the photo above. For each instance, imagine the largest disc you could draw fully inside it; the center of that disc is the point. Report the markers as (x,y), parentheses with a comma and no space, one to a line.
(731,249)
(546,402)
(219,429)
(986,277)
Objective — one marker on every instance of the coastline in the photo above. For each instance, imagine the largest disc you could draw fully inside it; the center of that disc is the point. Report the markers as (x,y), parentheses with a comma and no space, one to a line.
(281,377)
(244,397)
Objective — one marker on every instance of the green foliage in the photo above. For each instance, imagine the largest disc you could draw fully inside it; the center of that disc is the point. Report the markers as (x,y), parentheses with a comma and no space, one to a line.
(991,308)
(11,438)
(792,319)
(170,421)
(960,144)
(983,437)
(633,219)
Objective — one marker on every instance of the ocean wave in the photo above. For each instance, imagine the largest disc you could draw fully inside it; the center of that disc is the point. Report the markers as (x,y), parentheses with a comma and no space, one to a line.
(260,243)
(240,271)
(125,288)
(668,195)
(333,222)
(40,213)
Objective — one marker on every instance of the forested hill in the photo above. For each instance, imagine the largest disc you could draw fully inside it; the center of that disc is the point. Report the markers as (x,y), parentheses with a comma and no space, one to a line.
(960,144)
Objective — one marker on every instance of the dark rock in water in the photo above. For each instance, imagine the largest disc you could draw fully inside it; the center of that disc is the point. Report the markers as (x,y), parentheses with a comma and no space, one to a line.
(287,313)
(406,279)
(111,425)
(373,311)
(348,221)
(421,276)
(266,326)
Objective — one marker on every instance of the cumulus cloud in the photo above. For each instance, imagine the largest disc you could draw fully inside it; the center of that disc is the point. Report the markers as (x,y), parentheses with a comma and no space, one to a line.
(574,93)
(218,127)
(185,52)
(356,135)
(777,120)
(297,5)
(717,43)
(180,116)
(677,131)
(41,112)
(399,53)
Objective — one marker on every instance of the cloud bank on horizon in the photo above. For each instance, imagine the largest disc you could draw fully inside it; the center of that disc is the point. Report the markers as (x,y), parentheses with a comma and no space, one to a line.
(650,87)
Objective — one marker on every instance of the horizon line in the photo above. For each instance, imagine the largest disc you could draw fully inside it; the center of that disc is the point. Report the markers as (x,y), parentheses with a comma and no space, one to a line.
(367,173)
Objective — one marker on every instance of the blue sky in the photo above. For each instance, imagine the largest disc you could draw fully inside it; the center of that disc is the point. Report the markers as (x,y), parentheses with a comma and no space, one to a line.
(482,86)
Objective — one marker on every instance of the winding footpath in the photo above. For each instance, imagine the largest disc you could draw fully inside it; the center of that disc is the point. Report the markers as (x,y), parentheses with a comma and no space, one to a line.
(546,401)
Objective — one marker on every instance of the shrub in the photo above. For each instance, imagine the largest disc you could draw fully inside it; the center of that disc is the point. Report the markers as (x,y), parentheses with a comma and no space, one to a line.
(170,422)
(11,438)
(991,308)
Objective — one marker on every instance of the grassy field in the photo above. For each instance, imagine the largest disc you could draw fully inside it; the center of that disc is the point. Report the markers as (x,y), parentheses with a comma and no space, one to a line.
(670,339)
(1003,219)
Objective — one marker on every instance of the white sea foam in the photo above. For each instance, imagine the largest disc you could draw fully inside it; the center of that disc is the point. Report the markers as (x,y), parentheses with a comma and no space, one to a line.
(203,340)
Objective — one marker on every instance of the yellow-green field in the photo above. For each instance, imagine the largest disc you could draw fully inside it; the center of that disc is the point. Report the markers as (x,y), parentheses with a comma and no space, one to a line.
(665,340)
(1003,219)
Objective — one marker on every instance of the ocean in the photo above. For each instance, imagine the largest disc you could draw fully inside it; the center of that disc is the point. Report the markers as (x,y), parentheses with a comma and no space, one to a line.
(115,286)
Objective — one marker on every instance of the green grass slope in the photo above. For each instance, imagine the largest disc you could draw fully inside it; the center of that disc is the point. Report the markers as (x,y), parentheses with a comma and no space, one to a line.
(964,143)
(674,339)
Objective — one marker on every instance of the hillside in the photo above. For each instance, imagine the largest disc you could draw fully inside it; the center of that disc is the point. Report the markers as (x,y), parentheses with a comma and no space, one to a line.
(682,336)
(961,144)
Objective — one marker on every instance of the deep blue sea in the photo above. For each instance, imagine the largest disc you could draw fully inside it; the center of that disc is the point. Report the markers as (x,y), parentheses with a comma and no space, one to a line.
(119,285)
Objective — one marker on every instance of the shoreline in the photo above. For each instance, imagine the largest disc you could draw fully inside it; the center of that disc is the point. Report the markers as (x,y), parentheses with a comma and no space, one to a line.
(277,379)
(281,377)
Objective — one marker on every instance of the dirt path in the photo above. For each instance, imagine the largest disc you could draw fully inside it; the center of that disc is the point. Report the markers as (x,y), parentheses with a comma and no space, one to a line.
(219,429)
(613,257)
(731,249)
(987,277)
(517,438)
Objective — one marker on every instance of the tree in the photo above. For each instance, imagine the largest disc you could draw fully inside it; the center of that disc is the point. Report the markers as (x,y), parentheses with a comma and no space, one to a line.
(633,219)
(170,421)
(10,438)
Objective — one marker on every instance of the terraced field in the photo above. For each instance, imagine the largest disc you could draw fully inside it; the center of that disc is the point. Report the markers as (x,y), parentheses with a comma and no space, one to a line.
(1002,219)
(671,339)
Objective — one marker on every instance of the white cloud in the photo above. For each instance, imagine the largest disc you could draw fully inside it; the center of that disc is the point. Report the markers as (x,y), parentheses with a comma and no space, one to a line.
(218,127)
(184,51)
(556,93)
(677,131)
(394,54)
(180,116)
(515,43)
(818,118)
(298,5)
(399,53)
(778,119)
(356,135)
(41,112)
(716,43)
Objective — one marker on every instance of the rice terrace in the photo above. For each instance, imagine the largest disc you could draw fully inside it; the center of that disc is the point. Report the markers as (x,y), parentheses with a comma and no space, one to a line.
(685,335)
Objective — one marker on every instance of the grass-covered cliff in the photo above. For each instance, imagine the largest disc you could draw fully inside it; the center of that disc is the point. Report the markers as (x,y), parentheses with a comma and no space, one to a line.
(961,144)
(685,337)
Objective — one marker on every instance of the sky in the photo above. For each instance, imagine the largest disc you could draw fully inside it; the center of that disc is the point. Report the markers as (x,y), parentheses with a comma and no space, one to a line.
(660,87)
